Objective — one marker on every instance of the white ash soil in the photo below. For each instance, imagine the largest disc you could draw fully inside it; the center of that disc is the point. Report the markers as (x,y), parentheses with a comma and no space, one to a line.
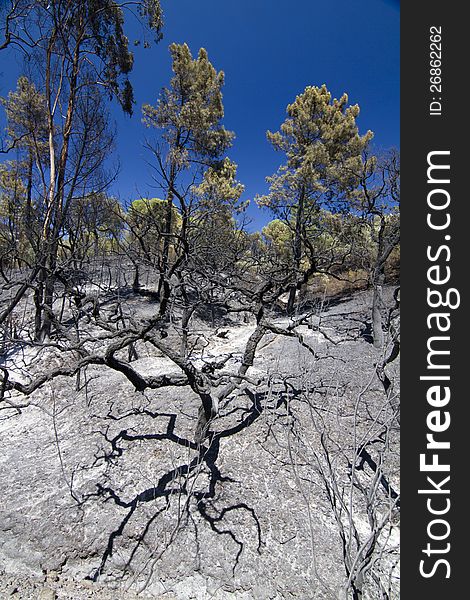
(86,477)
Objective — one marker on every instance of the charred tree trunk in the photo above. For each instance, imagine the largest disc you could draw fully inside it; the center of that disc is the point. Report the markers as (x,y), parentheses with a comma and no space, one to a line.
(385,245)
(46,288)
(167,232)
(136,283)
(377,305)
(29,203)
(38,299)
(297,252)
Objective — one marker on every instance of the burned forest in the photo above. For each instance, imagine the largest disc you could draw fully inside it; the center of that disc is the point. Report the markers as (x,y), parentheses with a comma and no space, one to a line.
(190,406)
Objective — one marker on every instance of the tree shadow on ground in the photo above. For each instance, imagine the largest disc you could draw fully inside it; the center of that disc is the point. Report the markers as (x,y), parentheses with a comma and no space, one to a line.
(178,482)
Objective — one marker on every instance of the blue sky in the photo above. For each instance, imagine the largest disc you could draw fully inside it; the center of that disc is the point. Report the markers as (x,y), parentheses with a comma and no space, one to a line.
(270,51)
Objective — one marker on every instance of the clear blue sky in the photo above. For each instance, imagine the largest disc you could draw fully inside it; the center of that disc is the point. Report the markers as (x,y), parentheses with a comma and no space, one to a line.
(270,50)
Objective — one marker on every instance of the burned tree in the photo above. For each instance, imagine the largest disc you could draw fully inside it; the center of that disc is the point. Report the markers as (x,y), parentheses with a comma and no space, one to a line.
(81,56)
(377,201)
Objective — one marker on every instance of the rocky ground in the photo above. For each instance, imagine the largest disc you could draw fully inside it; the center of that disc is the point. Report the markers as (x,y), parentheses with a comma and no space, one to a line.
(105,495)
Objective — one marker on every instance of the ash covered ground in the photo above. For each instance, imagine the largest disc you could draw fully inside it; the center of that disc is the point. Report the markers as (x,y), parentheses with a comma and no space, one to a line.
(106,495)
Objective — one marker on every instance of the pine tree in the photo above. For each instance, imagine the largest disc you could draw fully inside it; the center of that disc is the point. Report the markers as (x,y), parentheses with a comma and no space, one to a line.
(322,145)
(192,138)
